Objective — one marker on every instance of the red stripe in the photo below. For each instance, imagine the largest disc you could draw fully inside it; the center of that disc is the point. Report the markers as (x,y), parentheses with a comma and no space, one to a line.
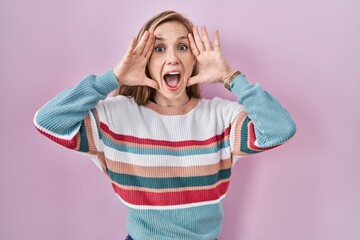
(147,141)
(72,143)
(252,139)
(137,197)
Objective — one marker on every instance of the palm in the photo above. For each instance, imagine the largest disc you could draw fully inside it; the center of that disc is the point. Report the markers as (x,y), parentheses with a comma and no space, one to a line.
(208,66)
(212,66)
(131,69)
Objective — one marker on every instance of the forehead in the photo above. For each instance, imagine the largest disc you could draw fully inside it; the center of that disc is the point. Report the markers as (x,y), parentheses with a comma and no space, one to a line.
(172,28)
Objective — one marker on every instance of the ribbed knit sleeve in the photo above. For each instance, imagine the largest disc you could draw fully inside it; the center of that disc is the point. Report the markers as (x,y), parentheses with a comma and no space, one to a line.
(70,118)
(264,124)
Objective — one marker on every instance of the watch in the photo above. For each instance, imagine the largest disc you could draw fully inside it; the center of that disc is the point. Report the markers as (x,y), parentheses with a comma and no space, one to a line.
(229,81)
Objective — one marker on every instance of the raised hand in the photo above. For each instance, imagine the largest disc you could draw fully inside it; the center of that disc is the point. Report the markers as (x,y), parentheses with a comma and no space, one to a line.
(131,69)
(211,64)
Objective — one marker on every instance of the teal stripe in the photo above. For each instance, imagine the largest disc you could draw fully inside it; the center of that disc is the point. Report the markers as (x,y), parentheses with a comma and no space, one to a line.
(244,138)
(173,182)
(169,152)
(84,144)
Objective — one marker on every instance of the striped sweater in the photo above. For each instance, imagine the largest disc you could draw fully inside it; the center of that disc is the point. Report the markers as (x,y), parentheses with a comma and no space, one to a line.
(170,166)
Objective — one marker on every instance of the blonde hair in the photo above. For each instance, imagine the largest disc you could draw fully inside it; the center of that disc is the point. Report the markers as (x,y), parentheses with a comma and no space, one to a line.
(142,94)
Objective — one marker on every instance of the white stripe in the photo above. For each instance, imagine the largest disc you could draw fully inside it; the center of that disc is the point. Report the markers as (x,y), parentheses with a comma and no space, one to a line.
(181,206)
(166,160)
(212,117)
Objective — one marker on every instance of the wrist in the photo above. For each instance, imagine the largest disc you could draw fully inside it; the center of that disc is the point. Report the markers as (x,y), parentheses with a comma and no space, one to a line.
(232,75)
(228,75)
(117,75)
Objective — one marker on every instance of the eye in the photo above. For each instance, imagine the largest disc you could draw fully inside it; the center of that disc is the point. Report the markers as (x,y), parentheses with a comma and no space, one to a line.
(159,49)
(183,47)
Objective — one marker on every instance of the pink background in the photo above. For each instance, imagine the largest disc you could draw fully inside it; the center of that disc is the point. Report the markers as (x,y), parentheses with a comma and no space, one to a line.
(306,53)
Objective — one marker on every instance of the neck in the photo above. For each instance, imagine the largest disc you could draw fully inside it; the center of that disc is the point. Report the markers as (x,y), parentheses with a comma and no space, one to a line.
(165,102)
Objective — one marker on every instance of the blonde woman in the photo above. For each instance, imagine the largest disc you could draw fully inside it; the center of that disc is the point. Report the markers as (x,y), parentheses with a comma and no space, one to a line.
(167,152)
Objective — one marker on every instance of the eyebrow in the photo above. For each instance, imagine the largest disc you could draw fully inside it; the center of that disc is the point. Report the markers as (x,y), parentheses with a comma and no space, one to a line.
(162,39)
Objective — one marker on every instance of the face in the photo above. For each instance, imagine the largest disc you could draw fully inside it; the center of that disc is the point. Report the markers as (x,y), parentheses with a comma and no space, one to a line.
(171,63)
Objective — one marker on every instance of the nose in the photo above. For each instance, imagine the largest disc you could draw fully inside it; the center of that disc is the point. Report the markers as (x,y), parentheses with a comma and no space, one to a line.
(172,57)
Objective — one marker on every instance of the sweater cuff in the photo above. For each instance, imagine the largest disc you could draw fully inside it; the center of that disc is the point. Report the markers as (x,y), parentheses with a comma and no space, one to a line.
(239,84)
(108,80)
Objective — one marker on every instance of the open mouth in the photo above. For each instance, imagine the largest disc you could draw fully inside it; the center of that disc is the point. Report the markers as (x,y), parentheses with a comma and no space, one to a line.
(172,79)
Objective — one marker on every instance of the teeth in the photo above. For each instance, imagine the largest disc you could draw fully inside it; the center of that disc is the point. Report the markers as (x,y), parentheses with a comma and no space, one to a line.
(173,73)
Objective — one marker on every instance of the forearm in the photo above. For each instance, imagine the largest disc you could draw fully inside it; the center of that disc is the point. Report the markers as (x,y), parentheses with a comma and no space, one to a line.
(273,124)
(62,116)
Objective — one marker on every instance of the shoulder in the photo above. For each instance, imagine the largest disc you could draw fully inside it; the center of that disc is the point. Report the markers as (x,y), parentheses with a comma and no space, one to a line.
(220,104)
(221,109)
(117,104)
(109,101)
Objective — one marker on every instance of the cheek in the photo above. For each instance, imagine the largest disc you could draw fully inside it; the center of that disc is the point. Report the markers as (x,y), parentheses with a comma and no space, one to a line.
(190,64)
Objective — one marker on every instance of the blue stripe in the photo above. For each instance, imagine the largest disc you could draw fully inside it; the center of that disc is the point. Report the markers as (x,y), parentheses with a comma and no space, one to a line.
(171,182)
(84,144)
(169,152)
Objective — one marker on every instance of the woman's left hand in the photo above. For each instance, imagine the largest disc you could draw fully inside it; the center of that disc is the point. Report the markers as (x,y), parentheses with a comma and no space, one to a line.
(211,65)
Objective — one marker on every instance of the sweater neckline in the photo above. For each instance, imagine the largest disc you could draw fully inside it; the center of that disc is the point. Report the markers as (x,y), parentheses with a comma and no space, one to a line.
(179,110)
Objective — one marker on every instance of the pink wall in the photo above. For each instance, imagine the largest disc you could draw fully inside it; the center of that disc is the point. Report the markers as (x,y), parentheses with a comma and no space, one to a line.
(306,53)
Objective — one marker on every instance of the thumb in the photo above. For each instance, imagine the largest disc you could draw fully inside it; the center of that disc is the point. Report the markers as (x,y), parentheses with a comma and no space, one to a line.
(194,80)
(151,83)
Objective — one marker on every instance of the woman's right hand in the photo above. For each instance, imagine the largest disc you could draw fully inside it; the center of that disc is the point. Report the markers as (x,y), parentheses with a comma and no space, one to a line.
(130,70)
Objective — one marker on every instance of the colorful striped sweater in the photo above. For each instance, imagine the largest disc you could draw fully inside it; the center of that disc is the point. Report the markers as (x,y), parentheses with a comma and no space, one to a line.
(170,166)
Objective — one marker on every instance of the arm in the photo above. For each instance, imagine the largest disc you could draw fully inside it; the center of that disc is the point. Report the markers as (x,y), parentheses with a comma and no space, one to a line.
(70,118)
(265,123)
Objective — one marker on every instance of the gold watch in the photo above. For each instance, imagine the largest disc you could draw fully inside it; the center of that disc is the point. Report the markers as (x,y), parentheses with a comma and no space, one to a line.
(232,77)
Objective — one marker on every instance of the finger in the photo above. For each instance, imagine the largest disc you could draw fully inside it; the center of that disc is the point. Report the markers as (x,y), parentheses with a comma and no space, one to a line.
(140,47)
(149,46)
(217,46)
(193,47)
(132,45)
(199,43)
(206,38)
(150,51)
(193,80)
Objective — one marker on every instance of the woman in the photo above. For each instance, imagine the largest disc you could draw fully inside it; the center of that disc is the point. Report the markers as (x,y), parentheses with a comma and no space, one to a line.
(167,152)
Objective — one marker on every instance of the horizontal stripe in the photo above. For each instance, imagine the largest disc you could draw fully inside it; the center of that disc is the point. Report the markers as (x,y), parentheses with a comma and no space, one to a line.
(174,144)
(163,160)
(171,182)
(172,207)
(162,147)
(157,151)
(171,198)
(166,171)
(162,190)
